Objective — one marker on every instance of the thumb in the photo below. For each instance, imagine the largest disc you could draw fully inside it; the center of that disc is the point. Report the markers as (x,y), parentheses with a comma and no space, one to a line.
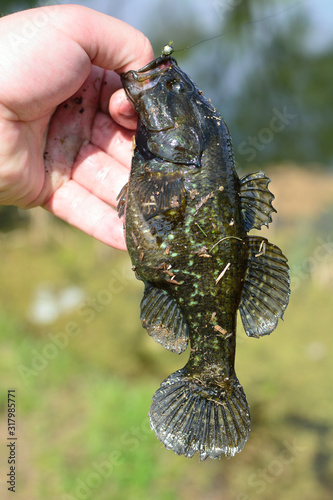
(109,42)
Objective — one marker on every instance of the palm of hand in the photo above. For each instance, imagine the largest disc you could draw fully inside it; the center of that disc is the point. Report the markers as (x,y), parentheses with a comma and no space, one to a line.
(74,160)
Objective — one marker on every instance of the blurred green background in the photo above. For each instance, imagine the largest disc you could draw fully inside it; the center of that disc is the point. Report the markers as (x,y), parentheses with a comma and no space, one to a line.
(72,346)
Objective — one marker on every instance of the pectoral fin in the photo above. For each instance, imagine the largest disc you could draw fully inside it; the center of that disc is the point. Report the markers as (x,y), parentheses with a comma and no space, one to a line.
(158,193)
(163,319)
(256,200)
(266,288)
(122,199)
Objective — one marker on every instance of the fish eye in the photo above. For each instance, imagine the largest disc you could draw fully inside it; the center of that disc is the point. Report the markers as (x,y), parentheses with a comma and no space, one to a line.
(175,86)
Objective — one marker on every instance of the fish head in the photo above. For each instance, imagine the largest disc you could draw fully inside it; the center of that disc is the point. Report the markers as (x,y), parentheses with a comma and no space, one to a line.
(161,94)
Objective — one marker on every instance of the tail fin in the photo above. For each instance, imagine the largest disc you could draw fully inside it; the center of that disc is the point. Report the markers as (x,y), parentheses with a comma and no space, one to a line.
(187,416)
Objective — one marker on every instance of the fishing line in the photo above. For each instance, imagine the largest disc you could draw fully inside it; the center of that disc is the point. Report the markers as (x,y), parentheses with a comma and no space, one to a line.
(169,47)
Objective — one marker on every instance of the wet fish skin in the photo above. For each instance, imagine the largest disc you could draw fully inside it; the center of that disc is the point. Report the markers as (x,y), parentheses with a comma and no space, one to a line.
(187,215)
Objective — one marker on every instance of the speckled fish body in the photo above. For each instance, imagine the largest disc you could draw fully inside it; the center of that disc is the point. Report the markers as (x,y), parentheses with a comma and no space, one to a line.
(187,215)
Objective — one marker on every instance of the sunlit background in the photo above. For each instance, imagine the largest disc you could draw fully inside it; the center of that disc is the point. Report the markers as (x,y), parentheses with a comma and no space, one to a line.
(72,345)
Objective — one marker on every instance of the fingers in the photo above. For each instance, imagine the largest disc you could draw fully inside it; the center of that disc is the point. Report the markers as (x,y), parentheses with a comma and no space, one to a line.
(113,139)
(50,68)
(109,42)
(41,65)
(100,174)
(46,54)
(111,84)
(82,209)
(122,110)
(129,49)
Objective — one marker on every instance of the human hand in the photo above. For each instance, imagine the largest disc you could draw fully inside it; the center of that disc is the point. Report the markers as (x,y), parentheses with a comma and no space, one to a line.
(59,147)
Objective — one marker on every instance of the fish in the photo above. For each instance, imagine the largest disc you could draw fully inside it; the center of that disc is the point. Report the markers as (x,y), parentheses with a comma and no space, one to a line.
(187,216)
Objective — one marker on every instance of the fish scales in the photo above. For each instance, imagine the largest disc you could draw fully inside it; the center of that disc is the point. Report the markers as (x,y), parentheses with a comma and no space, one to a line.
(187,218)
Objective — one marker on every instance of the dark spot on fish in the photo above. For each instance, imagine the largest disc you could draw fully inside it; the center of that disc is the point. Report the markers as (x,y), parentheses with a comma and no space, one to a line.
(81,110)
(78,100)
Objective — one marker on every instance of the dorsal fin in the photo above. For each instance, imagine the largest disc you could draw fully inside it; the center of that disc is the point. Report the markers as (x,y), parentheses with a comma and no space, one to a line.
(256,200)
(163,319)
(266,288)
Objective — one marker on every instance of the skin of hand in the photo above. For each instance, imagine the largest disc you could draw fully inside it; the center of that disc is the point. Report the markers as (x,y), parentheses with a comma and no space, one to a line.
(59,84)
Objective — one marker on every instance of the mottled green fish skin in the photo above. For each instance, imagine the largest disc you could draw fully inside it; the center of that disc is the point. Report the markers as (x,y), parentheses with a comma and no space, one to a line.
(186,236)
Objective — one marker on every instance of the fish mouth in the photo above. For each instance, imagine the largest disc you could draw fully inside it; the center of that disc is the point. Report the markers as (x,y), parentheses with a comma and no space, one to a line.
(152,69)
(135,82)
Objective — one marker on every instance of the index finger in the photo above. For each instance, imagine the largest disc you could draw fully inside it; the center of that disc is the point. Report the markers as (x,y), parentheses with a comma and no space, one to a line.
(52,64)
(109,42)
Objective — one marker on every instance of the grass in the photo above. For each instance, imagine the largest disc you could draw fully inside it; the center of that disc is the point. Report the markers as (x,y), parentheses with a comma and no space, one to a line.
(82,404)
